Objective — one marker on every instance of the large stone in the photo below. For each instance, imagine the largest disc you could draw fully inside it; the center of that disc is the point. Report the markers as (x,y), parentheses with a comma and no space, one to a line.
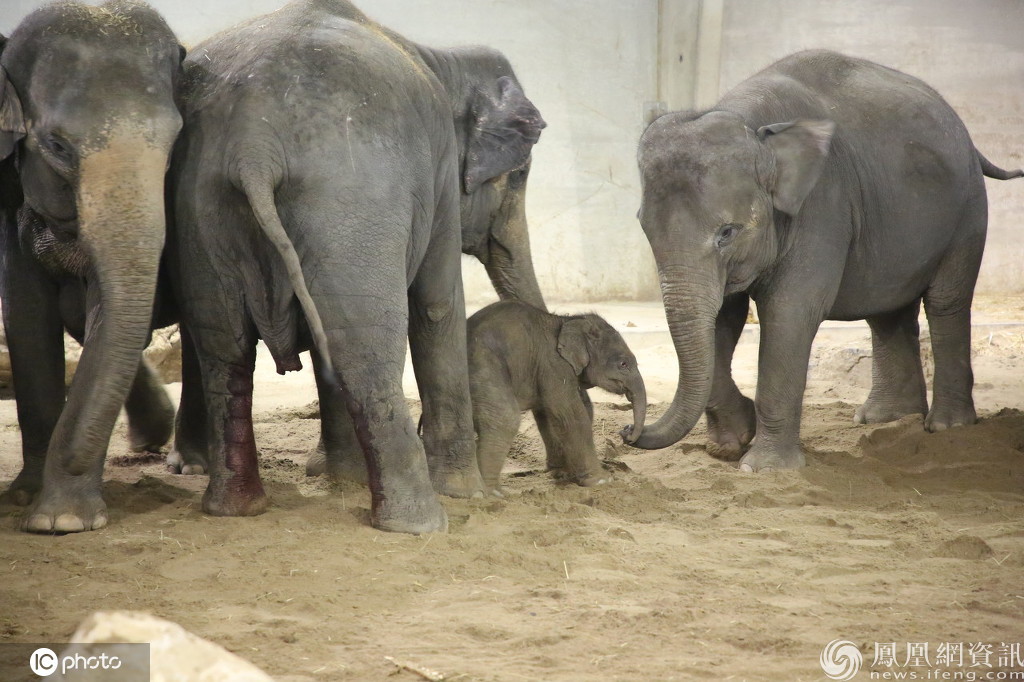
(175,654)
(163,352)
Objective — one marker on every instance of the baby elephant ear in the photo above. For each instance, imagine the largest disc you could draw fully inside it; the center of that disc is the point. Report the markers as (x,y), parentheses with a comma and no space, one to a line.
(800,149)
(572,344)
(502,134)
(12,121)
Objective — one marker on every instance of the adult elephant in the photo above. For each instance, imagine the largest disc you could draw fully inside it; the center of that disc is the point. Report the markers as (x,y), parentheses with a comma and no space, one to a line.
(87,122)
(316,200)
(824,187)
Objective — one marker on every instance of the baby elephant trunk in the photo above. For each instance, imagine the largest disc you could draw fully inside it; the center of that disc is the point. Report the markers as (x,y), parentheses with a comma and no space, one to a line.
(637,395)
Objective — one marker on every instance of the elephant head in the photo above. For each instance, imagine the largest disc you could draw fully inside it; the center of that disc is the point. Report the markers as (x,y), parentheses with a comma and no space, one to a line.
(496,126)
(718,198)
(600,357)
(87,121)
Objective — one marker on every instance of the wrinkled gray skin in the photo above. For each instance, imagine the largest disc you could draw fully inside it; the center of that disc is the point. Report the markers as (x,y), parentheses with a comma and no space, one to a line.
(824,187)
(492,214)
(316,198)
(522,358)
(87,121)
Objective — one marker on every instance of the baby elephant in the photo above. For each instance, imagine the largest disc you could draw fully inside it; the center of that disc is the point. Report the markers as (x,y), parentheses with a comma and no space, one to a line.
(522,358)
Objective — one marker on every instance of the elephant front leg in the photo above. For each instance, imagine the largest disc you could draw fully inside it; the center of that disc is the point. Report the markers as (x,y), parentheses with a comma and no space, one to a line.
(35,341)
(235,488)
(566,427)
(786,338)
(338,453)
(897,380)
(731,417)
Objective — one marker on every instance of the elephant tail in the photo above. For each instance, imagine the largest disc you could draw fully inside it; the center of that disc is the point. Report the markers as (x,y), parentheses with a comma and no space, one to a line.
(259,190)
(993,171)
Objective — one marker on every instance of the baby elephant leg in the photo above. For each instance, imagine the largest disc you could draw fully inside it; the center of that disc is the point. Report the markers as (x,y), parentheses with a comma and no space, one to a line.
(567,431)
(496,421)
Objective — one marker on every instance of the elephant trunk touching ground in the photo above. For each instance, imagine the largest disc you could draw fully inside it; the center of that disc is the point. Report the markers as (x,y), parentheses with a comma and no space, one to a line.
(121,225)
(636,393)
(691,311)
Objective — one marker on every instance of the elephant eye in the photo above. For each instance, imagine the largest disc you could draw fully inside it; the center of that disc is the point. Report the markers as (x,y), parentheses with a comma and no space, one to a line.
(60,148)
(726,233)
(623,364)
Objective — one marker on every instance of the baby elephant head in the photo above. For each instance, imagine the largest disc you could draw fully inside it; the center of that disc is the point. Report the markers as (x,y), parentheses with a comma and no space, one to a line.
(600,357)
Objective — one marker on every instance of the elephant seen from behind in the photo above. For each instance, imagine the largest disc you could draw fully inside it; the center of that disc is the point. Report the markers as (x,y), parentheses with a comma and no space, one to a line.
(326,174)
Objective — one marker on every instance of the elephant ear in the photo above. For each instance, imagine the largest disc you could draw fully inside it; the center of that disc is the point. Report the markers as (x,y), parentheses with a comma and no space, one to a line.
(502,133)
(12,120)
(800,149)
(572,344)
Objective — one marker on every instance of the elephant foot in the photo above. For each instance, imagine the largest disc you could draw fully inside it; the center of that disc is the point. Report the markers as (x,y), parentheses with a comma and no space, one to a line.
(25,487)
(875,411)
(350,468)
(762,459)
(586,479)
(58,514)
(943,416)
(462,484)
(730,430)
(149,438)
(317,464)
(186,464)
(591,480)
(251,502)
(414,517)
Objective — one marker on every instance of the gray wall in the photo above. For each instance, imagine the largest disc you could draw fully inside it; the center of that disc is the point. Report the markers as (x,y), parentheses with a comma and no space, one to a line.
(594,67)
(588,66)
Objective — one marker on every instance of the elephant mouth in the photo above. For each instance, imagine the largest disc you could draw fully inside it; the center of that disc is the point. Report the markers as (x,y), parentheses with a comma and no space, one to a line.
(735,285)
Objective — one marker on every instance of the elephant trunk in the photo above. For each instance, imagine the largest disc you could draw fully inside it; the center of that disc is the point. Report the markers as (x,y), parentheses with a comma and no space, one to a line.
(121,220)
(691,311)
(508,260)
(637,394)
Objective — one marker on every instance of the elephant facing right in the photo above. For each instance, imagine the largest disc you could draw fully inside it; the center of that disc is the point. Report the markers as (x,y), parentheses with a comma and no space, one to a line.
(823,187)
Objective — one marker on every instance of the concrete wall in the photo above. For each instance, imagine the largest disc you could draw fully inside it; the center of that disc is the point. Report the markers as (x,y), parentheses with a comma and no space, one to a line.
(588,65)
(595,68)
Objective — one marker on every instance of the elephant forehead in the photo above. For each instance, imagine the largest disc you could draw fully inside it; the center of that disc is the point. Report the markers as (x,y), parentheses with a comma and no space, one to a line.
(698,156)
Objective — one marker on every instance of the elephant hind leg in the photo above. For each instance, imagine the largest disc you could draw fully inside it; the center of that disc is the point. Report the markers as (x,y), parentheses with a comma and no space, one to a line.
(338,453)
(235,488)
(897,380)
(150,412)
(191,452)
(437,340)
(496,420)
(947,303)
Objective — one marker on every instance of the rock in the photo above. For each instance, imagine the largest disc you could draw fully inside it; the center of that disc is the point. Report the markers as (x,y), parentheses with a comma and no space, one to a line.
(174,653)
(163,352)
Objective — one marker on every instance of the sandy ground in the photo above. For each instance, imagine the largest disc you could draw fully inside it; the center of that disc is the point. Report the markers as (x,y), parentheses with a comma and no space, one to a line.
(681,568)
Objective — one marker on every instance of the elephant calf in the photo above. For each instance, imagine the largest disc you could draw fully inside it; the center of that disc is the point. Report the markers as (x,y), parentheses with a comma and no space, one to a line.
(522,358)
